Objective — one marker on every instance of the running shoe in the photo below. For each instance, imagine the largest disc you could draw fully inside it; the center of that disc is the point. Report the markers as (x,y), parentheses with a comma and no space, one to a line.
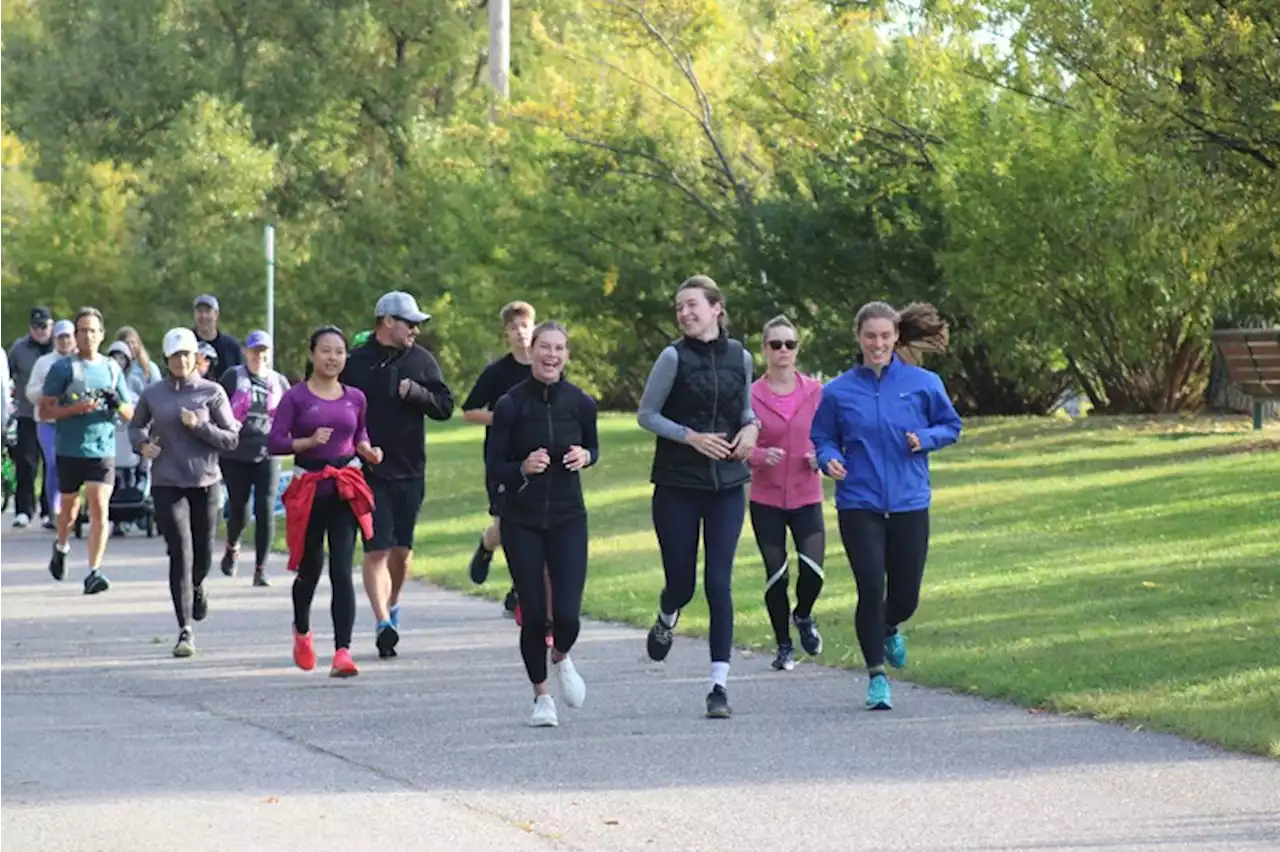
(544,713)
(50,523)
(95,583)
(572,687)
(199,603)
(785,661)
(394,612)
(58,562)
(511,603)
(659,641)
(260,578)
(343,665)
(480,561)
(230,557)
(895,650)
(878,694)
(304,652)
(718,703)
(186,646)
(810,638)
(21,521)
(387,639)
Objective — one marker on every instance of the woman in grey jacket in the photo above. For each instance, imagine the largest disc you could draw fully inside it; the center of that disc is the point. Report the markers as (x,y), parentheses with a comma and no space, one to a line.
(183,423)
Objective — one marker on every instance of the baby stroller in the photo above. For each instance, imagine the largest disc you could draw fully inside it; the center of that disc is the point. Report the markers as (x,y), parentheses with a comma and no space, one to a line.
(131,500)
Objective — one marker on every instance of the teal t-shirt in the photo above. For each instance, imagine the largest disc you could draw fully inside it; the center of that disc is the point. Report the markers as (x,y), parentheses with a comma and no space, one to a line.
(92,435)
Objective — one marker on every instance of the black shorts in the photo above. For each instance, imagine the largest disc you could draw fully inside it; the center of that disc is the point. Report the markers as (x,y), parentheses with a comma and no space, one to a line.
(396,503)
(74,472)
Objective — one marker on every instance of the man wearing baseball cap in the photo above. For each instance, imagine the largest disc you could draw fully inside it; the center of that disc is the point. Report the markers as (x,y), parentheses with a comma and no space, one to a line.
(64,343)
(226,347)
(402,384)
(24,353)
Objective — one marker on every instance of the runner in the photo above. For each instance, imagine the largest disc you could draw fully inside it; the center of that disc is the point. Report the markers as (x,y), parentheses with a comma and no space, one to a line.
(206,360)
(255,391)
(401,382)
(873,433)
(543,434)
(24,353)
(64,343)
(322,423)
(494,381)
(786,491)
(181,424)
(698,402)
(226,349)
(84,394)
(143,368)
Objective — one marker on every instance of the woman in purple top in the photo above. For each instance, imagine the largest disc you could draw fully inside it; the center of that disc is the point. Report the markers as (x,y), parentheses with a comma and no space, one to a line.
(321,422)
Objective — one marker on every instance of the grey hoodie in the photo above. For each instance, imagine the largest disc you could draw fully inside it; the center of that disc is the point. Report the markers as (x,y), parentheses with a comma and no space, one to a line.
(188,457)
(22,357)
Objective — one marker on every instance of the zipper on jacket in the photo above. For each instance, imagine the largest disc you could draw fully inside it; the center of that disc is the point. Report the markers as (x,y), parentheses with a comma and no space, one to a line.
(715,411)
(551,442)
(884,456)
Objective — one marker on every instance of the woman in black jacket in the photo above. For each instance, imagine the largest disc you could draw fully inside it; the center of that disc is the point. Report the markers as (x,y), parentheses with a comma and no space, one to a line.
(544,433)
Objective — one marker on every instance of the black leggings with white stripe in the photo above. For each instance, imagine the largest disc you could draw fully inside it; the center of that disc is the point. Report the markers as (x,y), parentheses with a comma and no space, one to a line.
(810,536)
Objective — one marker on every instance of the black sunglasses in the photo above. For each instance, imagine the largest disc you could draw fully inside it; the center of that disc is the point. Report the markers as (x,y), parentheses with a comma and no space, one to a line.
(778,345)
(409,323)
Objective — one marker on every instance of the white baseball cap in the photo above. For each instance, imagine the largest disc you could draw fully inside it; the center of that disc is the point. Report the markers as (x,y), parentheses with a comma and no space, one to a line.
(179,340)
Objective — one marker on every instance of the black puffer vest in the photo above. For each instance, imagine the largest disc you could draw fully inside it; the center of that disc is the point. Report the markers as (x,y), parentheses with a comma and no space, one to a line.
(547,416)
(709,394)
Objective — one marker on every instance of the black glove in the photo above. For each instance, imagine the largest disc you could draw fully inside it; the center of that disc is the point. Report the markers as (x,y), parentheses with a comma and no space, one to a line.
(110,400)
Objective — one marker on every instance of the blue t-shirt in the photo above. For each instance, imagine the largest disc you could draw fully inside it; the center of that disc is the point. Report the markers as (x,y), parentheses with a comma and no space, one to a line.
(92,435)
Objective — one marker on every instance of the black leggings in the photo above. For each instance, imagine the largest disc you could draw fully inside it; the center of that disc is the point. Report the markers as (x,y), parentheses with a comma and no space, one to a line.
(810,536)
(563,551)
(887,554)
(187,518)
(262,477)
(679,516)
(330,515)
(27,458)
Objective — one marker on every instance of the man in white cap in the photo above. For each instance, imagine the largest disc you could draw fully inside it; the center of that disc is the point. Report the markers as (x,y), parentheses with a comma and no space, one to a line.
(64,343)
(402,383)
(226,347)
(84,394)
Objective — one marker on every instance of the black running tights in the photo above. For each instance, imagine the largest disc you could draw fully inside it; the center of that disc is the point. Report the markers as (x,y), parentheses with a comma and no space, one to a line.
(810,536)
(887,554)
(331,517)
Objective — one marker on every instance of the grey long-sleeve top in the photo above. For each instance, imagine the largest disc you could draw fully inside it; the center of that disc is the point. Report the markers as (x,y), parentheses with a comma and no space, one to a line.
(658,387)
(188,457)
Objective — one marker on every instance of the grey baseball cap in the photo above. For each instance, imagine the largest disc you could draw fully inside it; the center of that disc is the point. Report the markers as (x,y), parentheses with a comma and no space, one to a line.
(400,305)
(206,301)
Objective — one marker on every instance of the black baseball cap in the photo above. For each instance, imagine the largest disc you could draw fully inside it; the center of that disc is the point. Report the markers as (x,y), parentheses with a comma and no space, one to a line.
(41,316)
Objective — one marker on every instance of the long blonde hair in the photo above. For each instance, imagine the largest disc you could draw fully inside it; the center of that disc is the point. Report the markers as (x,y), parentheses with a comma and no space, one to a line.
(128,334)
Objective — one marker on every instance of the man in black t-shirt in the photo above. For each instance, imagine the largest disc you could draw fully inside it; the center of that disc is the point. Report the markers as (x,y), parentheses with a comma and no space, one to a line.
(494,382)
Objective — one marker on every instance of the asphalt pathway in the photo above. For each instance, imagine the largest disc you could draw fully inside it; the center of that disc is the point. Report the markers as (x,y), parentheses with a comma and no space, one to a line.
(111,744)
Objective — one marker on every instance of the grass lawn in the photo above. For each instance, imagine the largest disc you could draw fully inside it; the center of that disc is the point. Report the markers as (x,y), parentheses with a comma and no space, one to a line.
(1121,569)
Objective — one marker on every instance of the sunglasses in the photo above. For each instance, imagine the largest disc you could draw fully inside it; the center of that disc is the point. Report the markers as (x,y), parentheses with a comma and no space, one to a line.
(410,323)
(779,345)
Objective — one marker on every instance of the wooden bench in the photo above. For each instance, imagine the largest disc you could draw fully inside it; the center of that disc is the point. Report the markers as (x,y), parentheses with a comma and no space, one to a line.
(1252,356)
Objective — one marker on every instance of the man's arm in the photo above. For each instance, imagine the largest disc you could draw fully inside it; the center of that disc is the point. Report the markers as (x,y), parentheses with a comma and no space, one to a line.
(428,392)
(477,408)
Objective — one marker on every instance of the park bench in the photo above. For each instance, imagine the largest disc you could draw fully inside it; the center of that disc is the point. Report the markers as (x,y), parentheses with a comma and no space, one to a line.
(1252,357)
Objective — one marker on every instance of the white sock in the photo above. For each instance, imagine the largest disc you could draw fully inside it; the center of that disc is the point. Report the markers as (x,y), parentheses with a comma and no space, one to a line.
(720,674)
(64,548)
(669,619)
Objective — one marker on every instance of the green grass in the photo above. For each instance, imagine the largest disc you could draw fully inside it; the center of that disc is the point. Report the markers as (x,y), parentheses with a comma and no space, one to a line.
(1121,569)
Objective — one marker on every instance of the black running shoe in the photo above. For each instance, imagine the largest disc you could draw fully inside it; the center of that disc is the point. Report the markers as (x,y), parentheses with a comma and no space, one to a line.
(510,603)
(480,561)
(230,557)
(388,638)
(810,638)
(199,603)
(785,661)
(260,578)
(95,583)
(659,642)
(58,563)
(718,703)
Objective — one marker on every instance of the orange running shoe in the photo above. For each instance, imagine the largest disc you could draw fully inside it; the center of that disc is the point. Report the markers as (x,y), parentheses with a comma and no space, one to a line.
(304,653)
(343,665)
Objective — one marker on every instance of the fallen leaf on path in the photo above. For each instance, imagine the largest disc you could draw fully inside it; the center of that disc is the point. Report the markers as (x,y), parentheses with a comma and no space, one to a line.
(611,822)
(271,800)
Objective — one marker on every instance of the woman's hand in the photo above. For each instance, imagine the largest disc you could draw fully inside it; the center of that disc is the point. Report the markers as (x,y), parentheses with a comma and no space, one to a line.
(913,441)
(537,461)
(835,470)
(320,437)
(188,418)
(773,455)
(577,458)
(713,446)
(745,441)
(812,458)
(371,454)
(149,449)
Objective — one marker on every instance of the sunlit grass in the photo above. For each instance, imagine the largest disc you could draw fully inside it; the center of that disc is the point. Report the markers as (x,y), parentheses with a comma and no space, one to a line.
(1124,569)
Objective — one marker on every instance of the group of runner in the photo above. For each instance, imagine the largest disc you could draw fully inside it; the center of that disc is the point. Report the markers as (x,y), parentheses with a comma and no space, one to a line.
(724,442)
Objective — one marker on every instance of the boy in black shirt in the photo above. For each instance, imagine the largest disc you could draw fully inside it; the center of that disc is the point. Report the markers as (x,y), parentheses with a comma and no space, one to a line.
(494,382)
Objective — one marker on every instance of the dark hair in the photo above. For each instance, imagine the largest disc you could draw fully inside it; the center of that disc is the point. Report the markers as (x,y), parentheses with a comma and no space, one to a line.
(711,290)
(88,312)
(918,322)
(321,332)
(549,325)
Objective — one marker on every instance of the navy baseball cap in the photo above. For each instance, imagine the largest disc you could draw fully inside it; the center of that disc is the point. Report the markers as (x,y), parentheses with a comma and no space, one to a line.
(41,316)
(258,339)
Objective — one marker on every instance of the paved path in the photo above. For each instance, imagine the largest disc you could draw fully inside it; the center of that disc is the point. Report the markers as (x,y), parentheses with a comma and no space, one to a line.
(111,744)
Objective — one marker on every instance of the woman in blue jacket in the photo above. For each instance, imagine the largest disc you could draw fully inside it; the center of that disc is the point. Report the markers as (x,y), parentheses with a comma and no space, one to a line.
(874,430)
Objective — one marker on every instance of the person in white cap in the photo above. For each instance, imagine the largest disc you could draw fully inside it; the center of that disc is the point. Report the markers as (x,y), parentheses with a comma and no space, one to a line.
(226,348)
(64,343)
(402,384)
(182,423)
(84,395)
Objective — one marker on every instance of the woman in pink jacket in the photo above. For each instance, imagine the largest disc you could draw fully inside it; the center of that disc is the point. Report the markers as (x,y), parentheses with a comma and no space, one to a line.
(786,490)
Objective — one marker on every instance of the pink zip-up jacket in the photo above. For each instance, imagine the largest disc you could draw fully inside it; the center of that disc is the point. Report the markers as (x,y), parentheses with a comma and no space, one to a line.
(791,483)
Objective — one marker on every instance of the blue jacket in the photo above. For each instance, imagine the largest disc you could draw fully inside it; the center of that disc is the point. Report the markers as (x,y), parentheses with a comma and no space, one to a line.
(863,421)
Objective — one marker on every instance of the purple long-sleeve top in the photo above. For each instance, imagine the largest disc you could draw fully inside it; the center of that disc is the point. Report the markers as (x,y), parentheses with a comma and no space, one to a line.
(301,413)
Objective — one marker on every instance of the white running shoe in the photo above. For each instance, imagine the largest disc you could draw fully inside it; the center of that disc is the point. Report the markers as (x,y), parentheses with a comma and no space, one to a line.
(571,685)
(544,713)
(21,521)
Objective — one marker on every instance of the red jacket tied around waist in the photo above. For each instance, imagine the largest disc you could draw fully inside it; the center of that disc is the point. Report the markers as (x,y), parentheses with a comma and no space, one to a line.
(301,493)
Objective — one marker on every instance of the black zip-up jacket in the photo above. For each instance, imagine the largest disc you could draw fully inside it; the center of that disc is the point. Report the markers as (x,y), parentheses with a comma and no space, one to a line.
(553,417)
(394,422)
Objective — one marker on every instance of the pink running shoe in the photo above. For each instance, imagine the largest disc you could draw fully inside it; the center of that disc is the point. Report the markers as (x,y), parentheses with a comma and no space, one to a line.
(304,653)
(343,665)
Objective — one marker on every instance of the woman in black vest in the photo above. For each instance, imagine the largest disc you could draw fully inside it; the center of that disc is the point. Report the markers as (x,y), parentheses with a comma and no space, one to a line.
(698,402)
(544,433)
